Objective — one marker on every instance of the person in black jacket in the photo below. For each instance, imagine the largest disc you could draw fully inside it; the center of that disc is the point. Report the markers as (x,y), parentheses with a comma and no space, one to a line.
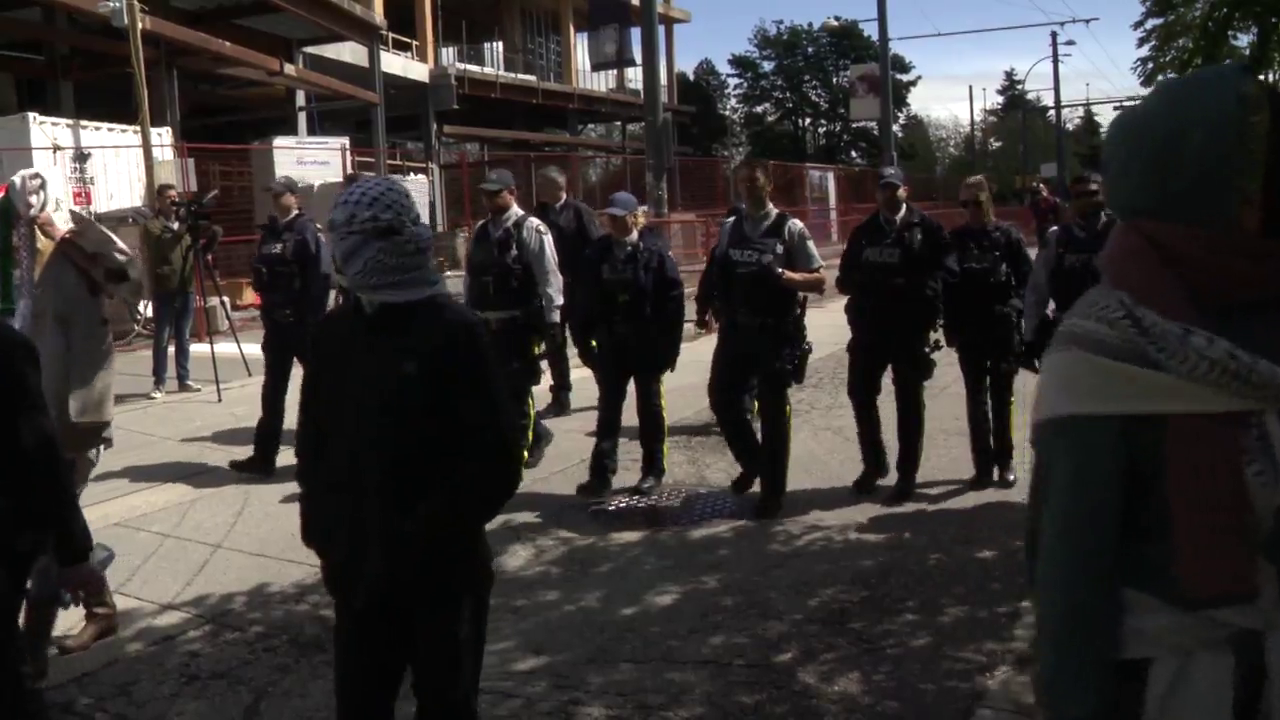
(408,446)
(630,322)
(573,230)
(892,270)
(982,320)
(706,311)
(39,508)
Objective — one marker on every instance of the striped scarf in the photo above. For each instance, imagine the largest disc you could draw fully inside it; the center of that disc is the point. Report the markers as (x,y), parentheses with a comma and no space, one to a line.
(24,198)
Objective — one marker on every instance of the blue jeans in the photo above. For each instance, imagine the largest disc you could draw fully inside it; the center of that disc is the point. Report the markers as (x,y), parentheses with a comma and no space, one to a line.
(172,312)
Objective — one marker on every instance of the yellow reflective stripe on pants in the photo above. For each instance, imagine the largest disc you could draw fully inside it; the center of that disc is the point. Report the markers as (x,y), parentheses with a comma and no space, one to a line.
(528,438)
(662,405)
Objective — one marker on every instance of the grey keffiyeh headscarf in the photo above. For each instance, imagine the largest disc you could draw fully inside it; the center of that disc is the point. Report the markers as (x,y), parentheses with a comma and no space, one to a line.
(380,244)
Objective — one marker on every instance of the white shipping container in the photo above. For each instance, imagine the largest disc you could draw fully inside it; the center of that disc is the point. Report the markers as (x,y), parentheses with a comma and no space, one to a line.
(309,160)
(92,166)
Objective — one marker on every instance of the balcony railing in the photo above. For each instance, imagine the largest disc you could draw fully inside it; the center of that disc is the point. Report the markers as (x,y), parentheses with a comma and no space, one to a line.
(491,58)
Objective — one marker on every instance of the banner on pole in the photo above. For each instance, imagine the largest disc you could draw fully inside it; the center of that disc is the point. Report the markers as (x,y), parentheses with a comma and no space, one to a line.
(864,91)
(609,44)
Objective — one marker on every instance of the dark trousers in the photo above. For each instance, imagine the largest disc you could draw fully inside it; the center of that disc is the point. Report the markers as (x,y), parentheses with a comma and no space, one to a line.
(613,378)
(172,313)
(533,429)
(19,700)
(558,361)
(739,363)
(282,343)
(869,358)
(442,646)
(988,400)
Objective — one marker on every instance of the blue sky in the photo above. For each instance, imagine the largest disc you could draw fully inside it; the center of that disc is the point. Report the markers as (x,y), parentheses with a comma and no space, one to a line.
(1099,66)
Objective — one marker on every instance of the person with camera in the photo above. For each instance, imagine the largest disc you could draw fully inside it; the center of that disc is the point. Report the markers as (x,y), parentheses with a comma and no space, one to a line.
(513,281)
(893,269)
(292,282)
(982,321)
(630,320)
(171,265)
(763,263)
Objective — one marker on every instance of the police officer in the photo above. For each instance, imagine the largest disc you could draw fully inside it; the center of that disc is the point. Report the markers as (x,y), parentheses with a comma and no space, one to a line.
(574,230)
(292,282)
(982,316)
(1065,266)
(762,264)
(630,324)
(513,281)
(893,268)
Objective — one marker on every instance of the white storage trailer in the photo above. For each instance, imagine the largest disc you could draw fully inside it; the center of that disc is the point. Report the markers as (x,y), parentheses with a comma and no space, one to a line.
(93,166)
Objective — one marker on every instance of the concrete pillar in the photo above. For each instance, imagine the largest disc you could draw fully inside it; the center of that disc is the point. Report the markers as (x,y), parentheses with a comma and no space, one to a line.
(425,30)
(300,96)
(378,118)
(669,40)
(568,44)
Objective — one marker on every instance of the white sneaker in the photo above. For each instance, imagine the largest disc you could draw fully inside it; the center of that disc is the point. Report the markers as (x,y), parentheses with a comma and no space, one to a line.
(156,393)
(189,387)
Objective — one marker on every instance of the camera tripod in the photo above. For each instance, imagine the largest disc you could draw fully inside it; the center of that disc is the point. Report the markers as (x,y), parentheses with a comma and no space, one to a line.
(204,268)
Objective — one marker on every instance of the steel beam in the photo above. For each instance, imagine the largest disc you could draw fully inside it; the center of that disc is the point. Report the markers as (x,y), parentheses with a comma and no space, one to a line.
(342,17)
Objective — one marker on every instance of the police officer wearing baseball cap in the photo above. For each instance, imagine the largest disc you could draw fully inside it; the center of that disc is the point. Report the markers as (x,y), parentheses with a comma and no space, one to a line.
(892,270)
(629,324)
(512,279)
(291,276)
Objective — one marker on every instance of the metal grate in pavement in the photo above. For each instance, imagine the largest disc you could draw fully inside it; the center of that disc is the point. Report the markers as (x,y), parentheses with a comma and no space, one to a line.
(669,507)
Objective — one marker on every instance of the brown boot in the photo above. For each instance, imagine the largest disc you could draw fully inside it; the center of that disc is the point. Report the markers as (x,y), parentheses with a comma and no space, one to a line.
(99,624)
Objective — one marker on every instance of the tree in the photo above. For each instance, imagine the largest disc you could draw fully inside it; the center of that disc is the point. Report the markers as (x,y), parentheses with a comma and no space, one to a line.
(1177,36)
(1086,141)
(793,99)
(950,137)
(1017,136)
(709,131)
(916,152)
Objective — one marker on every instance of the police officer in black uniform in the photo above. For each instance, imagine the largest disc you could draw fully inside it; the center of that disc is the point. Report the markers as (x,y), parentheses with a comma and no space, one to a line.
(1066,264)
(513,281)
(629,326)
(893,268)
(763,263)
(292,281)
(982,318)
(574,230)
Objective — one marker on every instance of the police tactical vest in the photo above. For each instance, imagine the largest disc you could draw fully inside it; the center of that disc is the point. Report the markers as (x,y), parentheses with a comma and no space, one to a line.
(1075,269)
(276,277)
(745,278)
(984,273)
(499,278)
(888,264)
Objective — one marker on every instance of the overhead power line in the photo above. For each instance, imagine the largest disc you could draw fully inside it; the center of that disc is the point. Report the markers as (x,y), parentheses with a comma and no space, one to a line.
(1054,23)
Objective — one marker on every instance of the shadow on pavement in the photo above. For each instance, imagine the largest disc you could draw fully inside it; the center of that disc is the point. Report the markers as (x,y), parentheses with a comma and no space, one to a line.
(194,474)
(894,618)
(238,437)
(695,429)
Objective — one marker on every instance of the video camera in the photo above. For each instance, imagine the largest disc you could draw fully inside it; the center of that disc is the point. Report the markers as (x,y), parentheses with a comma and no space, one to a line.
(196,214)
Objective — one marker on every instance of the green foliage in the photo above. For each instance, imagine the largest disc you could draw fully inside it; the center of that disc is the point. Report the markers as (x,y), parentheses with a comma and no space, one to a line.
(917,153)
(708,133)
(792,97)
(1177,36)
(1086,141)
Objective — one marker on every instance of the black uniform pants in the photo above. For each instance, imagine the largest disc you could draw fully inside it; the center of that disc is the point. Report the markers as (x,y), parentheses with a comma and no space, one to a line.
(988,400)
(283,341)
(869,358)
(442,647)
(741,361)
(614,377)
(517,352)
(558,353)
(19,699)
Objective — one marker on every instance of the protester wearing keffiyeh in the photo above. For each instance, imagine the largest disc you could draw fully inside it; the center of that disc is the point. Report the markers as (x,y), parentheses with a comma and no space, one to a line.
(1155,424)
(380,244)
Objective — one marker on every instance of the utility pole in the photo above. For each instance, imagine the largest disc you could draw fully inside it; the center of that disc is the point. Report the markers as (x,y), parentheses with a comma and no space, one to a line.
(973,133)
(655,139)
(1060,144)
(134,20)
(889,155)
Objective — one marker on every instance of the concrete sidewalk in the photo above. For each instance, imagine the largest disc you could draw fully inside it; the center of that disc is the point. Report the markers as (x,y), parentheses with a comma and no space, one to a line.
(874,612)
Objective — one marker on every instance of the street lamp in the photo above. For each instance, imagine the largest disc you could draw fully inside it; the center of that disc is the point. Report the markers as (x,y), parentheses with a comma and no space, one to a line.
(888,155)
(1026,158)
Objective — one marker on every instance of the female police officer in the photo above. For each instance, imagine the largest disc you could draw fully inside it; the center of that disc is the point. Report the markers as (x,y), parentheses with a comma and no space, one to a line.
(630,322)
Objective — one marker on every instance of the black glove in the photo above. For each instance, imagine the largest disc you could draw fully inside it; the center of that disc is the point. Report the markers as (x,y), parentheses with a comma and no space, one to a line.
(553,334)
(700,322)
(587,354)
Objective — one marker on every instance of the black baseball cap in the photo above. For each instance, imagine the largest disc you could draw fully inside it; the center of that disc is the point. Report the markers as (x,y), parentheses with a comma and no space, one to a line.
(284,185)
(892,176)
(622,204)
(498,180)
